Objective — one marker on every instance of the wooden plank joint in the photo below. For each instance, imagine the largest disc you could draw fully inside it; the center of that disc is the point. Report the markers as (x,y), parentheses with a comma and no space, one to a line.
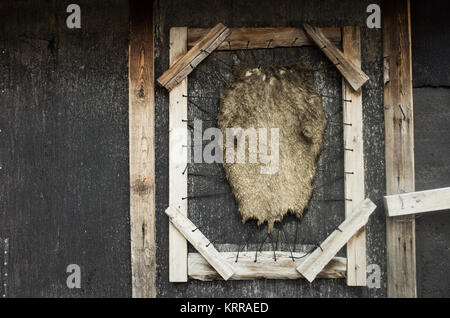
(186,64)
(349,70)
(200,242)
(322,255)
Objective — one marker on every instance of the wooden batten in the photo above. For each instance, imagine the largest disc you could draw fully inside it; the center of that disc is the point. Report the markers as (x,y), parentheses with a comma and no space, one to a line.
(265,266)
(142,150)
(200,242)
(186,64)
(317,260)
(346,66)
(178,158)
(261,38)
(399,143)
(353,159)
(417,202)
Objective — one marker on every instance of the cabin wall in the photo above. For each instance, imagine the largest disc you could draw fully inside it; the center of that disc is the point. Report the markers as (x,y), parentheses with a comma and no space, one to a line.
(64,180)
(431,82)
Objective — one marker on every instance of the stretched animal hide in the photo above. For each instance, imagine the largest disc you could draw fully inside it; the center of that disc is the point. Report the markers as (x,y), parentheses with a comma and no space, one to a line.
(281,97)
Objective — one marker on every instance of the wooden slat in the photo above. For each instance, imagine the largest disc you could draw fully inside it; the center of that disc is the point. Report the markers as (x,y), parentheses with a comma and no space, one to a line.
(200,242)
(260,38)
(317,260)
(399,143)
(265,266)
(349,70)
(354,159)
(142,150)
(178,136)
(186,64)
(417,202)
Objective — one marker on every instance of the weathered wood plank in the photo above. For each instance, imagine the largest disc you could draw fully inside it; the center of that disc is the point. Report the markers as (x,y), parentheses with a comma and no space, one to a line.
(353,159)
(186,64)
(349,70)
(178,138)
(142,150)
(260,38)
(399,143)
(417,202)
(317,260)
(200,242)
(265,266)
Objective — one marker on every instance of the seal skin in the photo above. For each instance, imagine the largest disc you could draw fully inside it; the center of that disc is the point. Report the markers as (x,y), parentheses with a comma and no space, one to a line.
(282,97)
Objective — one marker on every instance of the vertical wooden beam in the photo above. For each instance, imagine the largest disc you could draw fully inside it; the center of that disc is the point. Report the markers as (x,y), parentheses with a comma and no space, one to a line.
(178,139)
(142,150)
(399,136)
(354,159)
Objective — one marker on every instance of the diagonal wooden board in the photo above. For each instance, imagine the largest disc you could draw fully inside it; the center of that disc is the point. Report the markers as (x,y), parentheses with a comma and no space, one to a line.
(200,242)
(349,70)
(417,202)
(186,64)
(322,255)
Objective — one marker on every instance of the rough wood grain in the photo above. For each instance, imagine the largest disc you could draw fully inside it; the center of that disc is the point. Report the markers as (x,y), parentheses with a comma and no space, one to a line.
(64,148)
(261,38)
(317,260)
(399,143)
(186,64)
(417,202)
(349,70)
(265,266)
(353,159)
(142,150)
(204,246)
(178,139)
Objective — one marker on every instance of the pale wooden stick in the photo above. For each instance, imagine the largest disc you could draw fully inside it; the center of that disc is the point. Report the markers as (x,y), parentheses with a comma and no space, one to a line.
(399,146)
(185,65)
(200,242)
(178,157)
(322,255)
(417,202)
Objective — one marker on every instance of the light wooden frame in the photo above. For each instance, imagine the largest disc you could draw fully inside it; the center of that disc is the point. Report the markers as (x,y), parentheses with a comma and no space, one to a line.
(184,265)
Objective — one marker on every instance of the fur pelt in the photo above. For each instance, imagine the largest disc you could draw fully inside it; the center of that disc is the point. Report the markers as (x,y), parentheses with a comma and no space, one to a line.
(281,97)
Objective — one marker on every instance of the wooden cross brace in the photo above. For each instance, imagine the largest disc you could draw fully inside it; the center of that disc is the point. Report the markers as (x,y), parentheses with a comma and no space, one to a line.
(323,254)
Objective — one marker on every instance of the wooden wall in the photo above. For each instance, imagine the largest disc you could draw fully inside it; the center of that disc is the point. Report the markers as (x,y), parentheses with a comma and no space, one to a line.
(64,156)
(64,189)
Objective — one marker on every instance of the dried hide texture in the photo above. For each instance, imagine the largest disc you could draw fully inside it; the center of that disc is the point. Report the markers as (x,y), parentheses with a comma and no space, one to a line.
(281,97)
